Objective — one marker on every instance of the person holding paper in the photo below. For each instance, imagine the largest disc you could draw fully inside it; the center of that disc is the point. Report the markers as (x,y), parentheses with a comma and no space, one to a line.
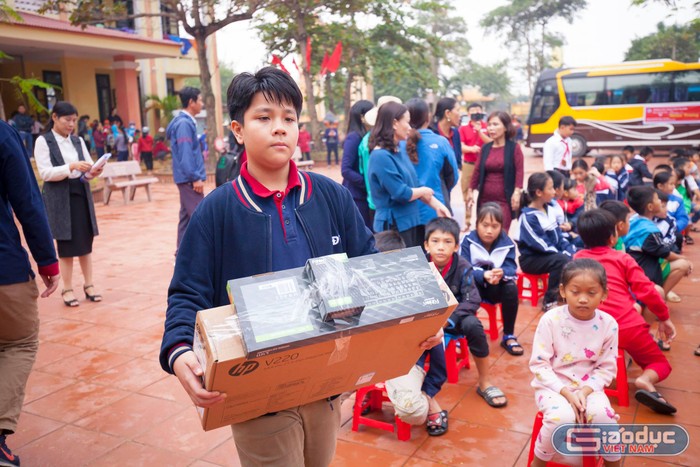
(61,160)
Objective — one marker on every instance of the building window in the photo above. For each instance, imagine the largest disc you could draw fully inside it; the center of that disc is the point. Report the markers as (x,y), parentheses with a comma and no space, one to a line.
(127,24)
(169,25)
(170,86)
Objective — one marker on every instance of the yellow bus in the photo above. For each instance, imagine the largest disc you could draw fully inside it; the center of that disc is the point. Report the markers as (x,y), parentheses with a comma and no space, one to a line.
(640,103)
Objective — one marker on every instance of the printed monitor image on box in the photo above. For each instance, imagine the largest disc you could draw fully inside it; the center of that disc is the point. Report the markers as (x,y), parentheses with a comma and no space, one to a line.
(280,311)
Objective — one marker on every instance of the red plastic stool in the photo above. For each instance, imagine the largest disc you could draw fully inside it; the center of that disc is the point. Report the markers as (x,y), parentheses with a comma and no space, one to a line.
(454,361)
(536,291)
(588,461)
(493,310)
(622,387)
(377,395)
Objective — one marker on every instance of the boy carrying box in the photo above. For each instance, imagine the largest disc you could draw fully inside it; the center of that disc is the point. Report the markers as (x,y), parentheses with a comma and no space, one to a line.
(272,217)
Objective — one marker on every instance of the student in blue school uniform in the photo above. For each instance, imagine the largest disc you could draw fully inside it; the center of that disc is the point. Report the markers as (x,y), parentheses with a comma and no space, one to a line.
(543,248)
(492,255)
(272,217)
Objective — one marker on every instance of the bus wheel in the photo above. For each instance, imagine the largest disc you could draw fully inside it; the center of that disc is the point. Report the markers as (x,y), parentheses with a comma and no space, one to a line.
(579,148)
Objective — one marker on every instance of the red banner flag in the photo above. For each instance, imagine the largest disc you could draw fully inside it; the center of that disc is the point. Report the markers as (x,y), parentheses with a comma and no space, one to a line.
(294,61)
(334,60)
(278,62)
(324,64)
(308,54)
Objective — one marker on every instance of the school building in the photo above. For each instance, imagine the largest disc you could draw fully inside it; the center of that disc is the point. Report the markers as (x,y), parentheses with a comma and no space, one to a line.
(102,69)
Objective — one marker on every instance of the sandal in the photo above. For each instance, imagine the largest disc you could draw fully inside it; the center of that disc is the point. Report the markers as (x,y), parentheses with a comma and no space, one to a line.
(70,303)
(663,346)
(491,393)
(673,297)
(92,298)
(512,348)
(654,401)
(437,423)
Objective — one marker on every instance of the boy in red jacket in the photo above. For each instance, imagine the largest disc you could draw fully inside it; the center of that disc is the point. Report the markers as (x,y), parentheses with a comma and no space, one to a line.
(146,149)
(626,277)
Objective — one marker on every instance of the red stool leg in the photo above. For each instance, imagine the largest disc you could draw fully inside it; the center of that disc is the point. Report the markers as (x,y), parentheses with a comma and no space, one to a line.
(403,430)
(492,311)
(536,427)
(623,396)
(464,355)
(451,361)
(357,408)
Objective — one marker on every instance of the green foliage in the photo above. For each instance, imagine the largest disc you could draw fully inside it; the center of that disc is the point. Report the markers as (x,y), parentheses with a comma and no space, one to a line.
(526,22)
(226,73)
(675,42)
(164,105)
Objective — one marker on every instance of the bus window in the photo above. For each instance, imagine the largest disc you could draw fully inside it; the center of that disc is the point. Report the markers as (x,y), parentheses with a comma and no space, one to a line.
(687,86)
(585,91)
(545,101)
(639,89)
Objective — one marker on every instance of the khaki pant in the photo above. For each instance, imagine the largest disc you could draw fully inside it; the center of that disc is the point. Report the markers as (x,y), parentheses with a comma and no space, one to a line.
(297,437)
(467,171)
(19,342)
(406,394)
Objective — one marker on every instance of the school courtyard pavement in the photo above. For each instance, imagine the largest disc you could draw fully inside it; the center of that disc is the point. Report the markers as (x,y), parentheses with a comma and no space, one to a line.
(97,396)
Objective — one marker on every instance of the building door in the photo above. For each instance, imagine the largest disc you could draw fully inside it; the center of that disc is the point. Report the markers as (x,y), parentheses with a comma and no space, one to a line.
(104,95)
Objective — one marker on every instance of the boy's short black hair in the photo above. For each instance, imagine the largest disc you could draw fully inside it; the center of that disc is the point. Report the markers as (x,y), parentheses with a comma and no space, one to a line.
(680,174)
(638,197)
(646,151)
(628,148)
(662,177)
(599,163)
(569,183)
(677,152)
(388,240)
(680,162)
(567,121)
(663,167)
(187,94)
(276,85)
(596,227)
(617,208)
(444,224)
(474,106)
(557,178)
(662,196)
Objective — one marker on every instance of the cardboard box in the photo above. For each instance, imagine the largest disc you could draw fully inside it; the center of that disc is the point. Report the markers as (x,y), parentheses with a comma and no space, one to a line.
(256,386)
(279,311)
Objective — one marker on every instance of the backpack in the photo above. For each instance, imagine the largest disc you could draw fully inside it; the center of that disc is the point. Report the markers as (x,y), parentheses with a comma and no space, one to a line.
(228,167)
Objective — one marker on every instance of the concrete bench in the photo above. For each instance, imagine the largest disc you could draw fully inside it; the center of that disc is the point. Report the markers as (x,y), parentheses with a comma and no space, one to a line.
(122,176)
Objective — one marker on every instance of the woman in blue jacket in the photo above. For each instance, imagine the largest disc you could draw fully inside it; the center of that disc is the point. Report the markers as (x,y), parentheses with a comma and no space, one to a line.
(430,153)
(393,180)
(353,180)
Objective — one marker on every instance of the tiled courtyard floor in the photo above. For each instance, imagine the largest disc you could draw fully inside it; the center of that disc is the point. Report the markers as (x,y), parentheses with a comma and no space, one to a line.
(98,397)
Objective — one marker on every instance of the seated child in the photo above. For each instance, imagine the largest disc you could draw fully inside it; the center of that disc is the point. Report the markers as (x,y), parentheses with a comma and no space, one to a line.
(574,356)
(622,214)
(413,395)
(590,184)
(666,224)
(543,248)
(492,255)
(665,181)
(566,227)
(442,245)
(644,242)
(688,188)
(571,203)
(627,282)
(640,169)
(618,176)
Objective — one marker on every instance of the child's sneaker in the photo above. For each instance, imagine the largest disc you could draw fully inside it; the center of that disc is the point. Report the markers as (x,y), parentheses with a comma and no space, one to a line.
(6,456)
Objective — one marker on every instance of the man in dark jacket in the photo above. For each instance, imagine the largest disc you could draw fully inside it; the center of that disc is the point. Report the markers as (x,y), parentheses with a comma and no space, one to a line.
(19,314)
(24,122)
(188,163)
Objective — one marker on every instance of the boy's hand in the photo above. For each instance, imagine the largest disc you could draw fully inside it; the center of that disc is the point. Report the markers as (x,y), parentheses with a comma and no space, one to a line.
(188,370)
(432,341)
(565,227)
(51,283)
(666,331)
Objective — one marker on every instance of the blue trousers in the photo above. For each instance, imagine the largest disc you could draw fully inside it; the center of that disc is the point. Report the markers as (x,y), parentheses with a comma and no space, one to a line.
(437,373)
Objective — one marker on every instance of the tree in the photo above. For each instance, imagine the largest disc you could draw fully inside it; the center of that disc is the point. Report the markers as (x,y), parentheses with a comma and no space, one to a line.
(525,22)
(490,79)
(675,42)
(226,73)
(199,18)
(164,108)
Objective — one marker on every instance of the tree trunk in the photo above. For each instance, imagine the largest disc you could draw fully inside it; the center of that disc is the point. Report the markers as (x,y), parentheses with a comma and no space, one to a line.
(329,94)
(2,108)
(207,96)
(308,81)
(347,95)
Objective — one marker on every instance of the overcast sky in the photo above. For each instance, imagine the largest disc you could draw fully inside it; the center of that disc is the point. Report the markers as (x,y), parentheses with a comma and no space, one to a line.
(601,34)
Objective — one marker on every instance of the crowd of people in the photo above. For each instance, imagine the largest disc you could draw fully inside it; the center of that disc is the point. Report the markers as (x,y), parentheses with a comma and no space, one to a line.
(609,237)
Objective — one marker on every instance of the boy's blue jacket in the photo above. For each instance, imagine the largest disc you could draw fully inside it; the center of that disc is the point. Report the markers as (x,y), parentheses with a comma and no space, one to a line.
(460,280)
(676,209)
(188,162)
(538,233)
(502,255)
(227,238)
(434,156)
(640,229)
